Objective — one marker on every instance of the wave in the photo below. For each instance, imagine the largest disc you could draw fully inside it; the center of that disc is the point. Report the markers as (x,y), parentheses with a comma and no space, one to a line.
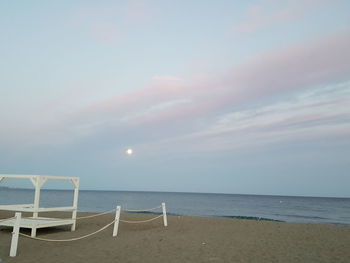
(303,216)
(252,218)
(223,216)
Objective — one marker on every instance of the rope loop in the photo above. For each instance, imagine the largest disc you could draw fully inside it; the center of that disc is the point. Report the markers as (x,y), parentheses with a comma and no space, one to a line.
(143,210)
(141,221)
(95,215)
(70,239)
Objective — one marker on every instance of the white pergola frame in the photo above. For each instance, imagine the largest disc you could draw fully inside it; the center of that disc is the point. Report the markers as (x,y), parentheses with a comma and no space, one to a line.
(35,221)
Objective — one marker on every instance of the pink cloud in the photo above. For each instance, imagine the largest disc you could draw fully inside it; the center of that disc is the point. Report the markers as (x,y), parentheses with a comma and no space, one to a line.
(98,22)
(293,68)
(163,88)
(257,18)
(105,23)
(173,103)
(311,118)
(275,72)
(106,33)
(137,12)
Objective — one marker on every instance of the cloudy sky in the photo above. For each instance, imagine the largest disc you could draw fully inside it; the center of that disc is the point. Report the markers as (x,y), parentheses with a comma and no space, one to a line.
(247,97)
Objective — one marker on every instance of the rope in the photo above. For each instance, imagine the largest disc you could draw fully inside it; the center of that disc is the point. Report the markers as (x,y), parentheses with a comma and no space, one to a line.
(142,221)
(70,239)
(100,214)
(88,235)
(144,210)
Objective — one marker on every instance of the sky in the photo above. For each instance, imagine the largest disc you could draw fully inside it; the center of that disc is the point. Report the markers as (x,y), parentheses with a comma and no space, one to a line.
(242,97)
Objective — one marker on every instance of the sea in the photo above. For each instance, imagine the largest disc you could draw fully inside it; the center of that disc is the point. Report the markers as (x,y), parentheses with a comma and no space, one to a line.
(319,210)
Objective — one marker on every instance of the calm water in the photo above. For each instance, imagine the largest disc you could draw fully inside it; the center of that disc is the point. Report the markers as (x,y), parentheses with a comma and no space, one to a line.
(284,208)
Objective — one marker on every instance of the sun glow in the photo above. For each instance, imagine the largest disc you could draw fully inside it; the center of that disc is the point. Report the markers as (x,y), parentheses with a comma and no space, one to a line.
(129,151)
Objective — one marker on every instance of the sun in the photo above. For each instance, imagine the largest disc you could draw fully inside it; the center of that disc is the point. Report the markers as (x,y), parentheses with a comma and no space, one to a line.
(129,151)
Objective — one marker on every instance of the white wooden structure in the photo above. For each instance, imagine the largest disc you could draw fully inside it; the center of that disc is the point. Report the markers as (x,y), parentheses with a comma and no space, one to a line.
(35,221)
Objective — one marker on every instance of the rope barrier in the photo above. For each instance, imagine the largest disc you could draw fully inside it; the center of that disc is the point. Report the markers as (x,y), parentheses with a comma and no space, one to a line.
(17,224)
(88,235)
(100,214)
(115,221)
(142,221)
(144,210)
(70,239)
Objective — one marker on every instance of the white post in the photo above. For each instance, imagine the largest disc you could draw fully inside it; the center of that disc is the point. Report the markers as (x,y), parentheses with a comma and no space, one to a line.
(33,232)
(15,234)
(75,202)
(165,220)
(36,196)
(116,222)
(37,185)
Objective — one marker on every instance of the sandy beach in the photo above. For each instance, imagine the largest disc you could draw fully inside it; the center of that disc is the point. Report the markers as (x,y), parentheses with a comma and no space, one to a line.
(186,239)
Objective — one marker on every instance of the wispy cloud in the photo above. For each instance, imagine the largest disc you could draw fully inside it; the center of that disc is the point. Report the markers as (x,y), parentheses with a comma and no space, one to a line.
(155,109)
(220,109)
(309,115)
(98,22)
(321,106)
(257,17)
(303,66)
(172,100)
(137,12)
(107,23)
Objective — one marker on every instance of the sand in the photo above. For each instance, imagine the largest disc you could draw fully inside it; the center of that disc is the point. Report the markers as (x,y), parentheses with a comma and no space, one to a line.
(186,239)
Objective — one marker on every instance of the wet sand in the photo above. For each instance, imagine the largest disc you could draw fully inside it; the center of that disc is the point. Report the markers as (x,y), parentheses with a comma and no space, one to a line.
(186,239)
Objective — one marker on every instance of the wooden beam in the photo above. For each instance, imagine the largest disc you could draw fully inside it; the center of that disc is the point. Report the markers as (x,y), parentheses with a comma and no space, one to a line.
(116,221)
(42,181)
(28,176)
(15,234)
(33,179)
(75,182)
(36,196)
(165,220)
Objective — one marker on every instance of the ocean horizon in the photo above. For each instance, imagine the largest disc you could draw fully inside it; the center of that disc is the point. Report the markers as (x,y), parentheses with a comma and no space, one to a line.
(296,209)
(175,192)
